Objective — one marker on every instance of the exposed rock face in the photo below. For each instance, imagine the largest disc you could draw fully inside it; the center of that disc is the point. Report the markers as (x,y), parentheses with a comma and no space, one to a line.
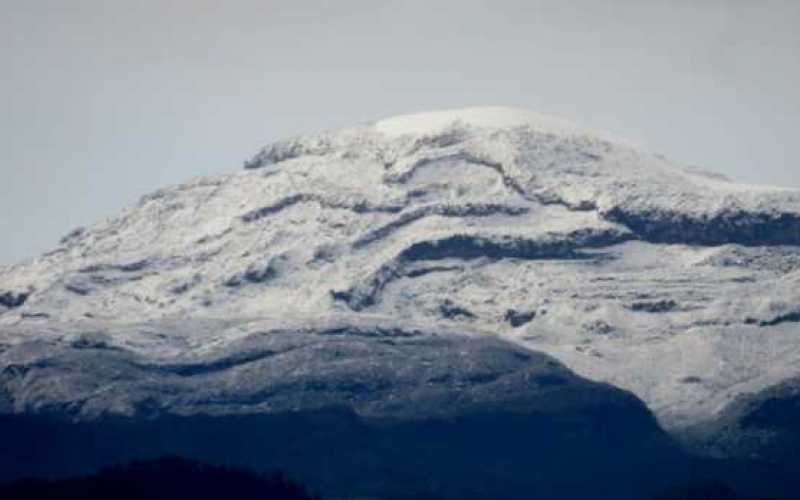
(672,283)
(11,300)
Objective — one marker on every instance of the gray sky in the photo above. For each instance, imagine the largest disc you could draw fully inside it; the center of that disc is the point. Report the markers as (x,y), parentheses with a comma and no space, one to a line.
(105,100)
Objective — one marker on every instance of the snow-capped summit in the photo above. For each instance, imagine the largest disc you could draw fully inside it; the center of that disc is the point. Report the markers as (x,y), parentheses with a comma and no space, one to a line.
(675,284)
(490,117)
(540,156)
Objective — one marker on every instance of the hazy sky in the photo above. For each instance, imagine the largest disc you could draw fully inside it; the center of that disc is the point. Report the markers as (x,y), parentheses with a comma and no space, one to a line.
(105,100)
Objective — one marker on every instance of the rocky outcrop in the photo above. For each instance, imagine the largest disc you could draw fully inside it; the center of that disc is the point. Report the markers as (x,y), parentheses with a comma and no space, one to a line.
(739,227)
(11,300)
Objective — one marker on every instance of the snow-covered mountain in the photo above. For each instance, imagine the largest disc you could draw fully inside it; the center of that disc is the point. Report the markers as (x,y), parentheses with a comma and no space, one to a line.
(223,295)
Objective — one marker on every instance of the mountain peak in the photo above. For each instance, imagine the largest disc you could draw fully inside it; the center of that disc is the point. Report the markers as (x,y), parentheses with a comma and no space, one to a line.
(481,219)
(405,134)
(492,117)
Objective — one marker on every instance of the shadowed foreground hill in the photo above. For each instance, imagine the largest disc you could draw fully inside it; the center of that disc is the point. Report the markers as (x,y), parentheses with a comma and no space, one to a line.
(706,491)
(171,478)
(354,410)
(161,479)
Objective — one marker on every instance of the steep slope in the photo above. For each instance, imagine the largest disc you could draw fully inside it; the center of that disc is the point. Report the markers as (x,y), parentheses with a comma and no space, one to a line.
(673,283)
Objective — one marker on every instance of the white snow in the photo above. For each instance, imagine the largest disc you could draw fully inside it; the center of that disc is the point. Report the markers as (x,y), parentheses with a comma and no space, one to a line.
(487,117)
(342,212)
(434,122)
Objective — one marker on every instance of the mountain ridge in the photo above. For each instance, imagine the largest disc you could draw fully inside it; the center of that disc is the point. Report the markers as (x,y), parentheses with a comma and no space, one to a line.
(631,270)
